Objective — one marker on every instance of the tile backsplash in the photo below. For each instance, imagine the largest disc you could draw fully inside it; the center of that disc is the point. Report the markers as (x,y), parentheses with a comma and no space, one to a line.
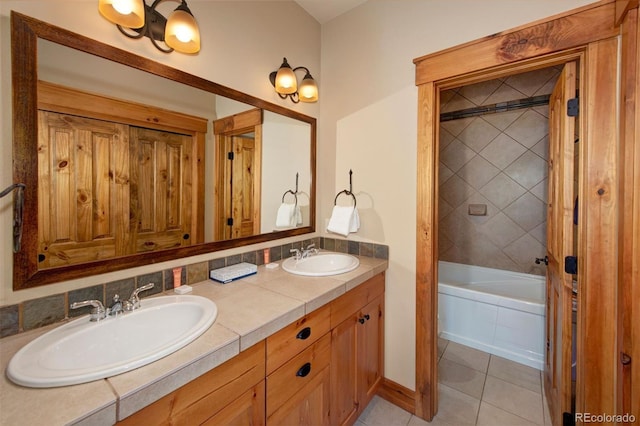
(47,310)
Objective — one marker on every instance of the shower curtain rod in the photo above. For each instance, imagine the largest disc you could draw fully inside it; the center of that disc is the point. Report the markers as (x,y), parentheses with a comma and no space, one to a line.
(494,108)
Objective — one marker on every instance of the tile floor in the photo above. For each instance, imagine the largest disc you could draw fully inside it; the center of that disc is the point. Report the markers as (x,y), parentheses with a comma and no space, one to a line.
(476,388)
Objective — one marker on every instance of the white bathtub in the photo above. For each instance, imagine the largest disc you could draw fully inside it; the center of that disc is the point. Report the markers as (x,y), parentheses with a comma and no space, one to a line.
(499,312)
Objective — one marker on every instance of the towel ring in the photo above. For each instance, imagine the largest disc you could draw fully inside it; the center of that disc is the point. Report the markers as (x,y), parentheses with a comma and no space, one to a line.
(347,191)
(344,191)
(295,196)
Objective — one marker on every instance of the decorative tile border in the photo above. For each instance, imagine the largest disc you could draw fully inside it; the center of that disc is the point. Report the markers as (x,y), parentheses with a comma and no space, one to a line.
(36,313)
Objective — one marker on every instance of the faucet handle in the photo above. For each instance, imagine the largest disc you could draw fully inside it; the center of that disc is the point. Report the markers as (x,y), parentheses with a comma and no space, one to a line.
(296,252)
(97,313)
(134,301)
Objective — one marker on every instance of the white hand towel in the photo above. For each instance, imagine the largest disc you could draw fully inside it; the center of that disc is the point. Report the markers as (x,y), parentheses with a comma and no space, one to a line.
(286,217)
(355,221)
(341,219)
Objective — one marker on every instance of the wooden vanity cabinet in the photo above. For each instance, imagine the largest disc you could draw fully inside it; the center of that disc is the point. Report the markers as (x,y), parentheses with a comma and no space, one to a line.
(298,367)
(232,393)
(320,370)
(357,344)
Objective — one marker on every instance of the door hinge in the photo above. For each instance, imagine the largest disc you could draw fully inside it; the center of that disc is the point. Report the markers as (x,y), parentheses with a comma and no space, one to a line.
(230,155)
(571,265)
(573,107)
(230,221)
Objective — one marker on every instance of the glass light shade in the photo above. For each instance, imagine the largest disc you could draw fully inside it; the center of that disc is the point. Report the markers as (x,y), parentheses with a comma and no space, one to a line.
(126,13)
(286,82)
(308,91)
(181,32)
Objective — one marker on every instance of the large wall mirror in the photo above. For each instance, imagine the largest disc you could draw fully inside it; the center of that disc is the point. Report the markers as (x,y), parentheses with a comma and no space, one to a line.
(128,162)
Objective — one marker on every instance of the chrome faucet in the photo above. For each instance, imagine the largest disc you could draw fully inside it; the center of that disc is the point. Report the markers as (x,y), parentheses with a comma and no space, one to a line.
(297,253)
(97,313)
(116,307)
(134,301)
(309,251)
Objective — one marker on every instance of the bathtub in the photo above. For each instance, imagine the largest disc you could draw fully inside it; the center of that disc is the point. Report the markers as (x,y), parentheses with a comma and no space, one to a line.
(499,312)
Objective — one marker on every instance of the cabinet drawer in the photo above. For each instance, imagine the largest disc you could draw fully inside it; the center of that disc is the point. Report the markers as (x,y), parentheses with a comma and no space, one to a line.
(348,304)
(296,337)
(287,380)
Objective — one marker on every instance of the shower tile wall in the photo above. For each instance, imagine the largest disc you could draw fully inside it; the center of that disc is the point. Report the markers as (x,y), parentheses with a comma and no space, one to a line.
(500,160)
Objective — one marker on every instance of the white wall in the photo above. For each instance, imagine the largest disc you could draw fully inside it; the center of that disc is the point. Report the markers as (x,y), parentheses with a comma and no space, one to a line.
(242,42)
(368,122)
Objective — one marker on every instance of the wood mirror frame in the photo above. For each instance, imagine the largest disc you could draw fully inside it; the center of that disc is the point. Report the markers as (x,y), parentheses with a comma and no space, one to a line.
(25,32)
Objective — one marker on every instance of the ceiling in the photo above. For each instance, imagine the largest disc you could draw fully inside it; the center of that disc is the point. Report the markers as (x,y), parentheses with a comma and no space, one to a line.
(326,10)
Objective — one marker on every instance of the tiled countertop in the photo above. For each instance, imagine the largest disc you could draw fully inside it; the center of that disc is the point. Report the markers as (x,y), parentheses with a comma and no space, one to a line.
(249,310)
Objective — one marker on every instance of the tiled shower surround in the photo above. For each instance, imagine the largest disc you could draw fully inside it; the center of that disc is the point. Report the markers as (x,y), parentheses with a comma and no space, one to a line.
(50,309)
(498,160)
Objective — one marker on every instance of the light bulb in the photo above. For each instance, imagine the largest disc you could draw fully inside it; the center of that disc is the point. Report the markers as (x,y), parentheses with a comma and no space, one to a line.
(123,7)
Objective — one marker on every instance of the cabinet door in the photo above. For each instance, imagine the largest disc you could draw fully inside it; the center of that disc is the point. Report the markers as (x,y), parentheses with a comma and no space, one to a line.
(344,397)
(370,350)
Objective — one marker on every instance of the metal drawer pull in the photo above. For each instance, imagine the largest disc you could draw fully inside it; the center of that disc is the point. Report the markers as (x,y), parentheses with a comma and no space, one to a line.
(304,370)
(304,333)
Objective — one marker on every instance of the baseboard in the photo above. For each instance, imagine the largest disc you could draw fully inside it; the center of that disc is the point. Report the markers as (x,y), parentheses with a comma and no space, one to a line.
(397,395)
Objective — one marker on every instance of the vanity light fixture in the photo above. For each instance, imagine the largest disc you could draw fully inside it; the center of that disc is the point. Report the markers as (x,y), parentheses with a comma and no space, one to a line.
(286,84)
(179,32)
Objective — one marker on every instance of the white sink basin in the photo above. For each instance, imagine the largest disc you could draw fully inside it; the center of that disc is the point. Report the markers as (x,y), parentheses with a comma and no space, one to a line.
(321,264)
(82,351)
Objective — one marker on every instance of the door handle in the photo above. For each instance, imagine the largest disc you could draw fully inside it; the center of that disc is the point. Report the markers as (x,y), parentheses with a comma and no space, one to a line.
(544,260)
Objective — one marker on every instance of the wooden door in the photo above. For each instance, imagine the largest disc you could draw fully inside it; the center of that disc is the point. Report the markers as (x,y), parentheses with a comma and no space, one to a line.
(162,189)
(560,245)
(370,350)
(83,189)
(238,173)
(243,209)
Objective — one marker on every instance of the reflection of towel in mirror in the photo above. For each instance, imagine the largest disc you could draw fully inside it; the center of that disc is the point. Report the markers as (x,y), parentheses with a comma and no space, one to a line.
(286,216)
(298,216)
(344,219)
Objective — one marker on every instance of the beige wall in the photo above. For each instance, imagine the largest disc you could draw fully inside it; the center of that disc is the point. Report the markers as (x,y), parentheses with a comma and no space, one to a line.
(368,122)
(242,42)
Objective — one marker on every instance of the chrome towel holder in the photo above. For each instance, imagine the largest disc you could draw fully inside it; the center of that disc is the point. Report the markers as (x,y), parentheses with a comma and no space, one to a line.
(18,206)
(347,191)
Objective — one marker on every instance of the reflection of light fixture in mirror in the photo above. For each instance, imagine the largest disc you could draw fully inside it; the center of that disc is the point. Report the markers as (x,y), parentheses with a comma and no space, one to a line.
(180,31)
(286,84)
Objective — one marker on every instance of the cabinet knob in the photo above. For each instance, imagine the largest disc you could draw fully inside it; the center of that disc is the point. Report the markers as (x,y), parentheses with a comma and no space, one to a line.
(304,333)
(361,320)
(304,370)
(367,317)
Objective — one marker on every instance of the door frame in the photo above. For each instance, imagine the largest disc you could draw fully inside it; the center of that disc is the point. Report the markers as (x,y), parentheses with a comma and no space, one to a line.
(588,34)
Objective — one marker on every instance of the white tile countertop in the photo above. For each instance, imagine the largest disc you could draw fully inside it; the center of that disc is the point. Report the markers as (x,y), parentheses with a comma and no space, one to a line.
(249,310)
